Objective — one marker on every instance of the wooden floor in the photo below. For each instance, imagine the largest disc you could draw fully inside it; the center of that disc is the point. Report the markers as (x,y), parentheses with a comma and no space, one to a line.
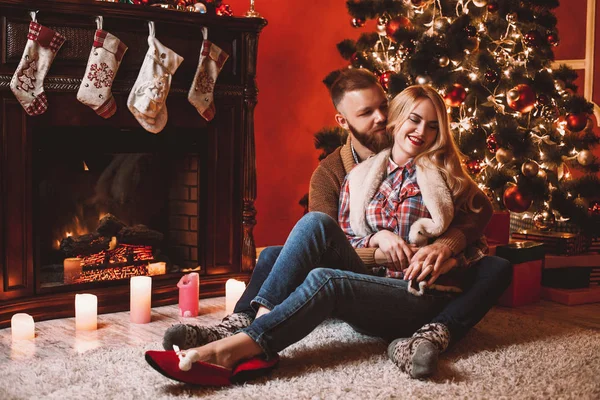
(58,337)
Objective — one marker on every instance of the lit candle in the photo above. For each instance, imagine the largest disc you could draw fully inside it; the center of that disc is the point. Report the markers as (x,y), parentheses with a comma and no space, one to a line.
(233,292)
(86,312)
(189,294)
(72,269)
(22,326)
(140,299)
(158,268)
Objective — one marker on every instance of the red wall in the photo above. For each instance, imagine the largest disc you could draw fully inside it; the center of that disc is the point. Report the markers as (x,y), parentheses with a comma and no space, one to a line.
(296,51)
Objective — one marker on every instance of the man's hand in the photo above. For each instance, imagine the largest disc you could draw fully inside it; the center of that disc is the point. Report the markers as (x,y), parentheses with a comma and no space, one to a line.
(396,251)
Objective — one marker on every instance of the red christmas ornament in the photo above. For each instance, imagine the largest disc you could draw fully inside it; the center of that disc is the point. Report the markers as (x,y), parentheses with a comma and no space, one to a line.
(516,201)
(521,98)
(397,23)
(552,38)
(576,122)
(474,166)
(224,10)
(492,6)
(385,78)
(455,96)
(357,22)
(532,38)
(594,208)
(492,143)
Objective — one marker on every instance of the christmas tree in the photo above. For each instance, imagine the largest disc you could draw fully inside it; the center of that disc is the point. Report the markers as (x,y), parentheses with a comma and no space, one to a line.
(519,122)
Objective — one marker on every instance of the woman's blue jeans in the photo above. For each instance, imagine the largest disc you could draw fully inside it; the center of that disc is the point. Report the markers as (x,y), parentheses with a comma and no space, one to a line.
(318,275)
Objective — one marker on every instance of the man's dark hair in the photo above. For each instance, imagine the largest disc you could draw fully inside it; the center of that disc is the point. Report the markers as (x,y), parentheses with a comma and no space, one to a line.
(349,80)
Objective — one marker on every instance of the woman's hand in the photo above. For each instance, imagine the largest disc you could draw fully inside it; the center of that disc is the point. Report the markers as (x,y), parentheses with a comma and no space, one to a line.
(434,259)
(396,251)
(420,271)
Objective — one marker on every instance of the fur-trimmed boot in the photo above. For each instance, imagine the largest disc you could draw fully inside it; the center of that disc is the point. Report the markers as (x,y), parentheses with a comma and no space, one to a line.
(418,355)
(187,336)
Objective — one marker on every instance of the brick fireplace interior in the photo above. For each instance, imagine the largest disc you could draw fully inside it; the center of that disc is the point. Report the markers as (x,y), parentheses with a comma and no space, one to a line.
(135,177)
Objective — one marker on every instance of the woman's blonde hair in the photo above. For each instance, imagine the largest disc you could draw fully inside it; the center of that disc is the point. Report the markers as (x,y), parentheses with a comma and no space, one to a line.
(443,153)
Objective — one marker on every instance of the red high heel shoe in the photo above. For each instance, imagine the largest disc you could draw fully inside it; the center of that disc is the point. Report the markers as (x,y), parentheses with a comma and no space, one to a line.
(205,374)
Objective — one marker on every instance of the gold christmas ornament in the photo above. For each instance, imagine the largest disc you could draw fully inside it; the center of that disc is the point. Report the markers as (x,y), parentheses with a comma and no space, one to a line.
(585,157)
(530,168)
(480,3)
(542,174)
(444,61)
(504,155)
(423,79)
(544,220)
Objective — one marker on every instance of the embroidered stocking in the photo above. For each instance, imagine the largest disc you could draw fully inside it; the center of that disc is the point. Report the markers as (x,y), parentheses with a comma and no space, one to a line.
(147,98)
(211,62)
(103,64)
(28,81)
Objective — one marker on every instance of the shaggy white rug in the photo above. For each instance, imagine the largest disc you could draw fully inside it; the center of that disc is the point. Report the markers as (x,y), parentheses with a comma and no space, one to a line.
(505,356)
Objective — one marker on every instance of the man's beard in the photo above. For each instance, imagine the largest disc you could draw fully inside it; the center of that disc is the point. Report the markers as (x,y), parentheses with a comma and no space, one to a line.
(372,141)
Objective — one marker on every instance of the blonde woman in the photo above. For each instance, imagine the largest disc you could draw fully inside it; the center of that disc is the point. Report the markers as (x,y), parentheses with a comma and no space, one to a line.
(406,196)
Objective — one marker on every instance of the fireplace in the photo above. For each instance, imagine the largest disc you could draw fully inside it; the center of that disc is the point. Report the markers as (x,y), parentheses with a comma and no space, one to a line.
(114,207)
(86,202)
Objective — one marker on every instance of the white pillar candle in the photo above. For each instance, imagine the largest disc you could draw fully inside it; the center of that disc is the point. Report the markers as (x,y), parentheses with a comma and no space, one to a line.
(86,312)
(159,268)
(140,299)
(72,269)
(233,292)
(22,326)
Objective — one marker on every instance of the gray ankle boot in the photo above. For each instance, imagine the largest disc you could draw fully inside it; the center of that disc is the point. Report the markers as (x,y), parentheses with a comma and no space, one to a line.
(418,355)
(187,336)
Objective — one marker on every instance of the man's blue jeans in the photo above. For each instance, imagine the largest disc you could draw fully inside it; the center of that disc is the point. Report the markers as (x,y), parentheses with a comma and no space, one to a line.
(317,232)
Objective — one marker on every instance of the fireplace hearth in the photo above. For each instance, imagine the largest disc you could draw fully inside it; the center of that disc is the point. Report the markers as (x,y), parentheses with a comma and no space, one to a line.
(188,191)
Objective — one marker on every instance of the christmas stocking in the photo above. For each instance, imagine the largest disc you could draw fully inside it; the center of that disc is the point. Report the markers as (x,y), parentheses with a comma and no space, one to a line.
(103,64)
(211,62)
(147,98)
(28,81)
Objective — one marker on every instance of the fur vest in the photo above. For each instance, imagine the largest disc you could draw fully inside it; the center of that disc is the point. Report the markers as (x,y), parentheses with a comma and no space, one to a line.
(364,181)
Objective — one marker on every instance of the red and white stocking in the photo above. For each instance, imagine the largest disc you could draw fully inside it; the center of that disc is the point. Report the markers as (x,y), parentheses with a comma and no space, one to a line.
(28,81)
(103,64)
(147,100)
(211,62)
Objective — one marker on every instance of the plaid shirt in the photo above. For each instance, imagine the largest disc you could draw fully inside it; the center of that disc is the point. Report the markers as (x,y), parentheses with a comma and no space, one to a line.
(395,207)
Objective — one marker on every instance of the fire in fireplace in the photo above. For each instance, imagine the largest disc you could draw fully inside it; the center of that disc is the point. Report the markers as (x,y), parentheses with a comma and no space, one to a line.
(112,251)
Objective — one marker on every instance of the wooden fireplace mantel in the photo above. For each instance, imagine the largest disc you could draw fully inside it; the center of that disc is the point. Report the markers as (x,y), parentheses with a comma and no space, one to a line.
(223,238)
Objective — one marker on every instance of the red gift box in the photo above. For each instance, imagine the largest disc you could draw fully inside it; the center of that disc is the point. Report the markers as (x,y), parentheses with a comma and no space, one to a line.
(526,286)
